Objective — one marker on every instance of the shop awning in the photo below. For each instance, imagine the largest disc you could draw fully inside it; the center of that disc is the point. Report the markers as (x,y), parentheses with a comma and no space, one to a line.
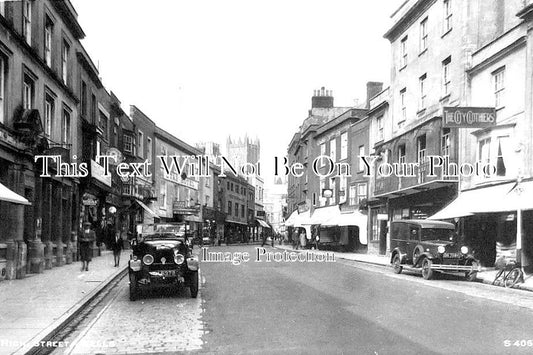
(146,208)
(289,222)
(354,218)
(324,214)
(303,219)
(10,196)
(262,223)
(506,197)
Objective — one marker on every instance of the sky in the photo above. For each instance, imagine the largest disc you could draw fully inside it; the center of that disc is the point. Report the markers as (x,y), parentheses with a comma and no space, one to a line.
(206,69)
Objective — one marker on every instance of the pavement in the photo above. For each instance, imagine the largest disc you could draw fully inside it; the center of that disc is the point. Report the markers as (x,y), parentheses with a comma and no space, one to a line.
(34,307)
(486,275)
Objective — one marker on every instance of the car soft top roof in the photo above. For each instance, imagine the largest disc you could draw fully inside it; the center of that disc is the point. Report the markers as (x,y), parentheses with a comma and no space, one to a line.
(426,224)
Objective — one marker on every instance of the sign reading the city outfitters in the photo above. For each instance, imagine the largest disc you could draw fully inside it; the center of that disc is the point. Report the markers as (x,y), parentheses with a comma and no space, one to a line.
(468,117)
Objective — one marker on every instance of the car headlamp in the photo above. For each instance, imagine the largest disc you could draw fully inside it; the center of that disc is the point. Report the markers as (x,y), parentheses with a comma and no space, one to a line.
(148,259)
(178,258)
(441,249)
(464,249)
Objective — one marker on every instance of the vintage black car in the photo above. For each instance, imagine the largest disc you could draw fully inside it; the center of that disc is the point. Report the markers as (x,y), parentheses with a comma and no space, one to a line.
(162,257)
(429,246)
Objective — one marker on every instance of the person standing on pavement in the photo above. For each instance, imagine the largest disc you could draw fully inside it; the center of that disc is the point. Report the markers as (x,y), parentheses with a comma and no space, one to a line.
(86,241)
(303,239)
(117,247)
(263,239)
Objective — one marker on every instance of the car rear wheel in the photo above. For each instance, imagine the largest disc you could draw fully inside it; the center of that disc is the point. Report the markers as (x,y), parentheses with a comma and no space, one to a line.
(134,288)
(427,272)
(194,284)
(396,264)
(472,275)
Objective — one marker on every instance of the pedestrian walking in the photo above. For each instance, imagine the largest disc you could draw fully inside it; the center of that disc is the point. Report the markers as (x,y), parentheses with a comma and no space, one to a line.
(263,239)
(295,239)
(117,247)
(86,241)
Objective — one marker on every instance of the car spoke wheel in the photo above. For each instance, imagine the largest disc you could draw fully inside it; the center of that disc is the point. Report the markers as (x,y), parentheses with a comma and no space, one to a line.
(194,284)
(134,288)
(427,272)
(472,274)
(396,264)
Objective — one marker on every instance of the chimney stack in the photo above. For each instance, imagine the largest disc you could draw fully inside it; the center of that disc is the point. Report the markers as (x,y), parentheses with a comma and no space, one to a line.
(372,89)
(322,98)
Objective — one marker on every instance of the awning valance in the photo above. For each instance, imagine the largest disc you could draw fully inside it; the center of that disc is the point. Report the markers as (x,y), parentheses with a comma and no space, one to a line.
(324,214)
(506,197)
(10,196)
(146,208)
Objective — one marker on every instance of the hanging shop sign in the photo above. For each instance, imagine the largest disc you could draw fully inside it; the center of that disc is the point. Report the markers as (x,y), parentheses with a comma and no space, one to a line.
(468,117)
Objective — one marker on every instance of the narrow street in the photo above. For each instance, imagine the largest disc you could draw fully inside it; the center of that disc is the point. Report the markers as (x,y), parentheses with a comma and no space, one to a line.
(339,307)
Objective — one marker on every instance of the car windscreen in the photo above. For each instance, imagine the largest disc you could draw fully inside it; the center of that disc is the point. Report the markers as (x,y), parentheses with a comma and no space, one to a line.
(441,234)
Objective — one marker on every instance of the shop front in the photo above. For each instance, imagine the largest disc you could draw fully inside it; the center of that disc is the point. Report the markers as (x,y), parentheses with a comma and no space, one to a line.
(498,216)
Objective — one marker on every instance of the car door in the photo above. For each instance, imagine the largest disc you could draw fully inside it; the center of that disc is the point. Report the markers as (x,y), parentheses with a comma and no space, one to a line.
(414,238)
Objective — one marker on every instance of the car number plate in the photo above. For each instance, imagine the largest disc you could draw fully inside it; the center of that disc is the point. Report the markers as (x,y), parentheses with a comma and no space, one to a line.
(452,255)
(163,273)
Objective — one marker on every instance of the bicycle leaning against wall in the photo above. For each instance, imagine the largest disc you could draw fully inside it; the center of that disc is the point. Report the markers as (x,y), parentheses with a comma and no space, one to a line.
(510,271)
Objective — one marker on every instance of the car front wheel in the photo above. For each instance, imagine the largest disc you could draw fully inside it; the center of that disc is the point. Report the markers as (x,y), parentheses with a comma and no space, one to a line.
(396,264)
(427,272)
(194,284)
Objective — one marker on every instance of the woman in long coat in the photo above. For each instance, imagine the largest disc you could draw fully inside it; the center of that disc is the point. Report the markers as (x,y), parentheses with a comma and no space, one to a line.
(86,241)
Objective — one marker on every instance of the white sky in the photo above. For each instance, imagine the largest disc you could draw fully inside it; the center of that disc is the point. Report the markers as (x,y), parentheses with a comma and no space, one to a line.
(205,69)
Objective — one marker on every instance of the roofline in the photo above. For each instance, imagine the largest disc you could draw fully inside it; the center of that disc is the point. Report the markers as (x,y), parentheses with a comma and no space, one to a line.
(407,19)
(165,135)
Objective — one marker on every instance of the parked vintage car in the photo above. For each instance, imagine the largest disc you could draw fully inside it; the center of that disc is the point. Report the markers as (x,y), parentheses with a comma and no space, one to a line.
(162,257)
(430,246)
